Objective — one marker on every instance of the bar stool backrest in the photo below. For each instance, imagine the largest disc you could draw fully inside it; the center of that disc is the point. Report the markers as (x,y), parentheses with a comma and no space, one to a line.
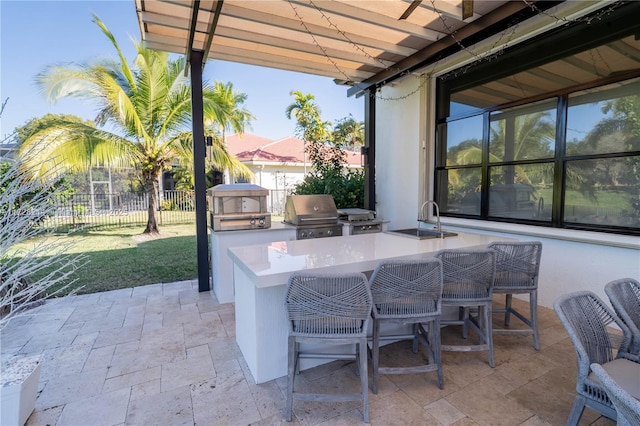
(624,295)
(328,305)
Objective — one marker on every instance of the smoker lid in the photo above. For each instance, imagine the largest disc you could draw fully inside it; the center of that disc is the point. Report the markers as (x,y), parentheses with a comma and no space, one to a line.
(238,189)
(356,214)
(315,207)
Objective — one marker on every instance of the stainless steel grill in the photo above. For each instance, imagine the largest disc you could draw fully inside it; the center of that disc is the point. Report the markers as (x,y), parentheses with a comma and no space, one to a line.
(315,216)
(360,221)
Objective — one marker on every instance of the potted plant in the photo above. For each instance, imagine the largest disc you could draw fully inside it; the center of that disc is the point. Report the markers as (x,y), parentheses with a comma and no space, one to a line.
(20,377)
(25,279)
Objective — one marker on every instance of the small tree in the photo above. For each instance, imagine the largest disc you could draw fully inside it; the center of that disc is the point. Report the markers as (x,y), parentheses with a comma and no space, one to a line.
(30,268)
(330,176)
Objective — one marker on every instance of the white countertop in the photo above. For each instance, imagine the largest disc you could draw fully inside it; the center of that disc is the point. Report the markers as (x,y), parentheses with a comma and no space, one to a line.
(271,264)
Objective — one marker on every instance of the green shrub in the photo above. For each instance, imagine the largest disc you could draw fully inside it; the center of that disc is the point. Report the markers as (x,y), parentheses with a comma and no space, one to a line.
(331,176)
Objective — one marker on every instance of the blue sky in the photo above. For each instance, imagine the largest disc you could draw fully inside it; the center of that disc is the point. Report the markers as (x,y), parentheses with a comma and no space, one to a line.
(34,34)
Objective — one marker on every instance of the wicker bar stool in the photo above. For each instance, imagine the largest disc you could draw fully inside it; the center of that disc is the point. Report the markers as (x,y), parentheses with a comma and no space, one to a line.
(329,309)
(517,269)
(587,320)
(408,292)
(468,277)
(624,295)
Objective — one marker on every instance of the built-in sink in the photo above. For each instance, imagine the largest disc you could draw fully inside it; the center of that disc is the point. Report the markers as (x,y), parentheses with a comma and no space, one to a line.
(422,234)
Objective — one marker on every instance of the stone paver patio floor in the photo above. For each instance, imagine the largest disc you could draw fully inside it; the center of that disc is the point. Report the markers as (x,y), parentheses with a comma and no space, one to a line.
(166,354)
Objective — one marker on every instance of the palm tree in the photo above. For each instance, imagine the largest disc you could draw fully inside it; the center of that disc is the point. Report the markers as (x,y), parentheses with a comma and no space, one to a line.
(618,131)
(307,115)
(233,116)
(526,136)
(218,157)
(144,116)
(310,126)
(522,137)
(230,115)
(349,132)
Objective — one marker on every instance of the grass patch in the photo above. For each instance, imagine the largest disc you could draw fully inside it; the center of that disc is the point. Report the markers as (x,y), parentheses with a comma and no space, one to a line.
(610,198)
(123,258)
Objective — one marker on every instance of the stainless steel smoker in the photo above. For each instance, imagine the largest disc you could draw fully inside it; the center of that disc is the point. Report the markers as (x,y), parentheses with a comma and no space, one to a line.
(238,206)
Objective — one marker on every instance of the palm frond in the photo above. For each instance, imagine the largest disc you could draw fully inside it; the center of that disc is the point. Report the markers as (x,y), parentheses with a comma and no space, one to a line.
(471,155)
(121,107)
(217,156)
(64,145)
(56,82)
(126,71)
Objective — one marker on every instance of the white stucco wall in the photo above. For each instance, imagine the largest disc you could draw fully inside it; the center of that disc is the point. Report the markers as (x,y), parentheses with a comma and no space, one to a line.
(571,260)
(397,153)
(277,177)
(568,266)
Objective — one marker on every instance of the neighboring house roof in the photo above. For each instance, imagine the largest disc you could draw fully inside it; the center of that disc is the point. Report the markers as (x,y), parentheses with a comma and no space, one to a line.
(250,148)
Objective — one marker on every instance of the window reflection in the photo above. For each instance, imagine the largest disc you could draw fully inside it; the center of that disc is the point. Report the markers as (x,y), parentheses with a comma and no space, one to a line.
(464,141)
(603,192)
(604,121)
(523,133)
(463,191)
(524,172)
(523,191)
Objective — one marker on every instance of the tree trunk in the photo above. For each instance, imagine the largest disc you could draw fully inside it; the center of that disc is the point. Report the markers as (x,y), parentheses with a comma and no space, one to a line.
(151,184)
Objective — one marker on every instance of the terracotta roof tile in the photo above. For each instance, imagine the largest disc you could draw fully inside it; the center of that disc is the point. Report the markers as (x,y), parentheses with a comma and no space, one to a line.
(252,148)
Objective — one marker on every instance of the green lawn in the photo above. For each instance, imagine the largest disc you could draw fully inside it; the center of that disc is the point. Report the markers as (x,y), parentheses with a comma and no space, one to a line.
(610,198)
(125,258)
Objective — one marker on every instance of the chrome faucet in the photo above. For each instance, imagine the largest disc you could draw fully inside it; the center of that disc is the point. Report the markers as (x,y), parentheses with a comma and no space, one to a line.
(423,217)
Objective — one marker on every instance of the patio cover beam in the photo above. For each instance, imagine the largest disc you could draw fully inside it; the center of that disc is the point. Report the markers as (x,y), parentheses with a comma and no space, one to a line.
(199,153)
(471,33)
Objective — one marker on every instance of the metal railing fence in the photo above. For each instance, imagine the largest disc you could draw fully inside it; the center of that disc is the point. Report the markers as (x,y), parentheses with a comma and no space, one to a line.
(277,200)
(120,210)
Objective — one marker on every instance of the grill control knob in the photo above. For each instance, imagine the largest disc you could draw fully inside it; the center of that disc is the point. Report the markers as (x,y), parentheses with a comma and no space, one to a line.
(261,221)
(303,234)
(252,221)
(311,234)
(330,232)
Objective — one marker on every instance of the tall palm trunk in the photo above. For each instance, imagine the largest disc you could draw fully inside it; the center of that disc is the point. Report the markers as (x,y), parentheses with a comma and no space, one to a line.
(152,187)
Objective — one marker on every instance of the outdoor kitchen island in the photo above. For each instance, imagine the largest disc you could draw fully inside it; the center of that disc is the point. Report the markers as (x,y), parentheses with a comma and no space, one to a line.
(260,274)
(221,265)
